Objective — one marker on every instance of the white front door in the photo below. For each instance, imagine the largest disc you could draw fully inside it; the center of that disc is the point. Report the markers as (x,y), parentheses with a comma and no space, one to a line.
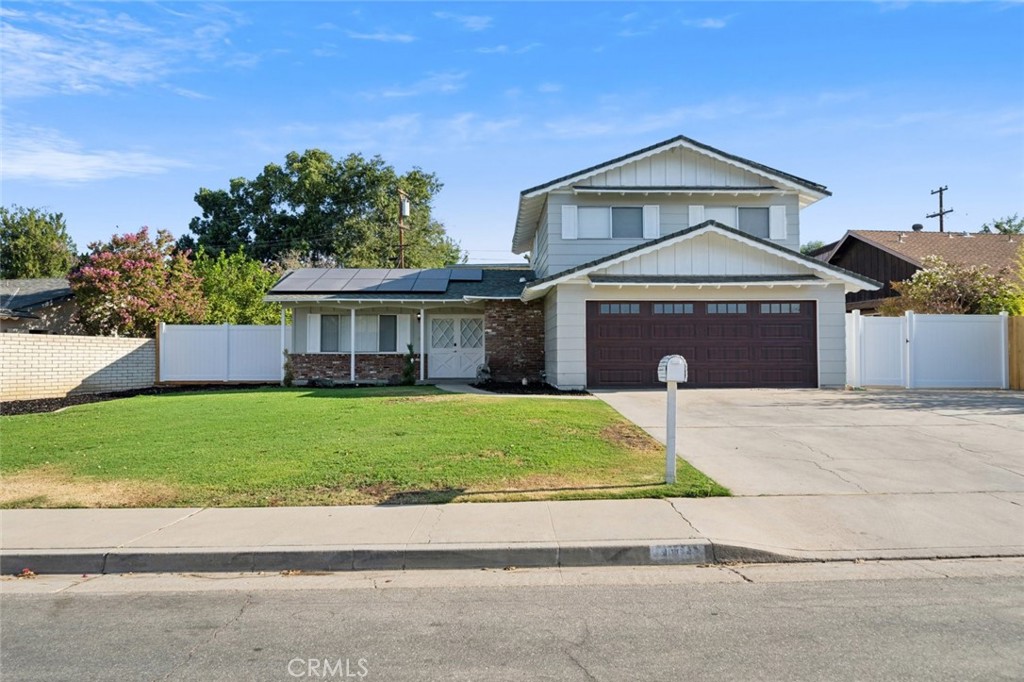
(456,347)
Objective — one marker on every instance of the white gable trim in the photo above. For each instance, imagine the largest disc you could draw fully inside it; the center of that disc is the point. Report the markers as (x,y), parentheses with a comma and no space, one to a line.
(825,271)
(568,182)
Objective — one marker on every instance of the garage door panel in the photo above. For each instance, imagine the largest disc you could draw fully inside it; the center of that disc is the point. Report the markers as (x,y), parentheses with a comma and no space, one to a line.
(735,344)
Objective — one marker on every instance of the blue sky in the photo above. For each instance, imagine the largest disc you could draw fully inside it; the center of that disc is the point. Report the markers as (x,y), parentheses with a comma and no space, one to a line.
(115,114)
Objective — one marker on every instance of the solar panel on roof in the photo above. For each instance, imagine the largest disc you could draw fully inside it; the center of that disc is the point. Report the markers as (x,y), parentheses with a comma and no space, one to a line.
(435,274)
(467,274)
(430,286)
(362,284)
(289,284)
(396,285)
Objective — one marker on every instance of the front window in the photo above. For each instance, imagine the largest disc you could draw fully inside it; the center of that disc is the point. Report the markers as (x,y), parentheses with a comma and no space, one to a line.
(617,222)
(754,221)
(387,333)
(330,333)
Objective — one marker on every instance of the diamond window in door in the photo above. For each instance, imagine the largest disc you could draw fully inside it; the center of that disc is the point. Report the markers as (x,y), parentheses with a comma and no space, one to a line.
(472,333)
(442,333)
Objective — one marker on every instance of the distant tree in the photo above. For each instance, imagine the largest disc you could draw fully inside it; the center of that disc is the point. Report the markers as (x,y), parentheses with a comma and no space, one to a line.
(812,246)
(344,210)
(1011,224)
(34,243)
(950,288)
(124,287)
(234,287)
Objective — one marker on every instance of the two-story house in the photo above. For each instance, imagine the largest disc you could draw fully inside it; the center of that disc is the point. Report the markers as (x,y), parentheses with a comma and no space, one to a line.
(678,248)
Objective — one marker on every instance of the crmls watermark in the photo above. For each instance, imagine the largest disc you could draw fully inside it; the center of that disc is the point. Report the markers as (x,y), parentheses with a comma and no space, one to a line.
(325,668)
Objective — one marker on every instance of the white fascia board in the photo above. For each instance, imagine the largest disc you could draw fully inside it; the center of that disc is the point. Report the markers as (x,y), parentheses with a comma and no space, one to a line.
(681,143)
(713,285)
(668,190)
(852,284)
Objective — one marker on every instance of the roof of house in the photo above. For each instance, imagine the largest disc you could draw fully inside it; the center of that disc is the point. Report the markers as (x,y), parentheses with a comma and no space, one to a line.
(764,244)
(503,282)
(997,251)
(531,200)
(18,297)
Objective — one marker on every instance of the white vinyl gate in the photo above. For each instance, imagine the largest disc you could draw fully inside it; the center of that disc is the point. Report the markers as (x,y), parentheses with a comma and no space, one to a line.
(927,351)
(225,352)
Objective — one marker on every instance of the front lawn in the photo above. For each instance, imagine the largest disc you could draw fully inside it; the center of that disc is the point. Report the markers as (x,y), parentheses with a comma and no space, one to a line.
(275,446)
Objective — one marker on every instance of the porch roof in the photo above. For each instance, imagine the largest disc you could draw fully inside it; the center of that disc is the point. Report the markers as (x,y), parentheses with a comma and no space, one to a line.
(495,283)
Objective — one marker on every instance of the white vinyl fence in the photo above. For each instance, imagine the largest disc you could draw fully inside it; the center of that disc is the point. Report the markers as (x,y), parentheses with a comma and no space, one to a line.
(927,351)
(192,352)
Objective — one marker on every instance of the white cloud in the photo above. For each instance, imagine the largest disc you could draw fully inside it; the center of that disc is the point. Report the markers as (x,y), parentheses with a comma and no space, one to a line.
(185,92)
(433,84)
(467,21)
(33,153)
(708,22)
(86,49)
(382,37)
(549,87)
(505,49)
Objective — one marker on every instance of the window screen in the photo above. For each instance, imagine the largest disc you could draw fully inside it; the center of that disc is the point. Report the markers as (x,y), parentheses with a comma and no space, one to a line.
(387,333)
(754,221)
(329,327)
(627,223)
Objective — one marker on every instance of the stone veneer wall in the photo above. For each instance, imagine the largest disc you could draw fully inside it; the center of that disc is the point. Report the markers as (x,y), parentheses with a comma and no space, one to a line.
(514,340)
(370,367)
(44,366)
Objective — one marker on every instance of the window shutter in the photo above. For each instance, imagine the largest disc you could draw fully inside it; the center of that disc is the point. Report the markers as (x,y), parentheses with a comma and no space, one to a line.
(313,333)
(652,222)
(569,223)
(696,215)
(404,333)
(777,222)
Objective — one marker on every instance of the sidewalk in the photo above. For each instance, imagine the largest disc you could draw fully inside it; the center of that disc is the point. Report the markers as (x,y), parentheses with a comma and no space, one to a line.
(524,534)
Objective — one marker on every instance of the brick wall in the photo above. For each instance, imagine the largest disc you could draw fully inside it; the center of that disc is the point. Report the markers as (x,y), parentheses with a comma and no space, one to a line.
(42,366)
(514,340)
(370,368)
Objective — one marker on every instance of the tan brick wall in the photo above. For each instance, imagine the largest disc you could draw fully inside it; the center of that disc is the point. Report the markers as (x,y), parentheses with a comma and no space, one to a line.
(42,366)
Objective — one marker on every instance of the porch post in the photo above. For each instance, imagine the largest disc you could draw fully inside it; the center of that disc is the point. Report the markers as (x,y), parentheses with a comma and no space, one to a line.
(352,348)
(284,344)
(423,344)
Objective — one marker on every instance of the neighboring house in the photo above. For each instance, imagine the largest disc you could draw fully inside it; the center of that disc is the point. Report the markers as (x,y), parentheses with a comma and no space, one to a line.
(892,256)
(675,248)
(37,306)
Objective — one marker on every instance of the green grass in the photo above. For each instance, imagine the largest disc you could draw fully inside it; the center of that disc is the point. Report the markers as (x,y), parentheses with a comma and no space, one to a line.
(276,446)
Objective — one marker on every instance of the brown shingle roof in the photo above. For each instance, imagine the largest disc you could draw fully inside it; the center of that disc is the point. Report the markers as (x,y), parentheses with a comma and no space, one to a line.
(998,251)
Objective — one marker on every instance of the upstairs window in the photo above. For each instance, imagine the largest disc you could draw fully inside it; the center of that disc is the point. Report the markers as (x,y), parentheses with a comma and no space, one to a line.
(754,221)
(615,222)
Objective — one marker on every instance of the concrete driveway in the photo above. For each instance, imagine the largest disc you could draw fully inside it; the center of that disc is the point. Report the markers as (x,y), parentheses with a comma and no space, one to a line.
(866,474)
(811,442)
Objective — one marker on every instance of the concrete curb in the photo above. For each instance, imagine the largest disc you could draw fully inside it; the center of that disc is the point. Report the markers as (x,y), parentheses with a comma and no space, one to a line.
(441,556)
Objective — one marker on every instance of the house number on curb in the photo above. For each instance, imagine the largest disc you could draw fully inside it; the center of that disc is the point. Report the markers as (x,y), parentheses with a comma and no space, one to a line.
(671,370)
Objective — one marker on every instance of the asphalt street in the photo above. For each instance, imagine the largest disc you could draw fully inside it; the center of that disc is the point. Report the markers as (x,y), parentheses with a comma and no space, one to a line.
(956,620)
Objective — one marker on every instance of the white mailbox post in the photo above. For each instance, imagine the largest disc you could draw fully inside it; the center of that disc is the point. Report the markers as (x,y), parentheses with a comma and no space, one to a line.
(671,370)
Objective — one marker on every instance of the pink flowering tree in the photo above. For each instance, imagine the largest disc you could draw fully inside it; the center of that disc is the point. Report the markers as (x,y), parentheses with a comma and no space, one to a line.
(129,285)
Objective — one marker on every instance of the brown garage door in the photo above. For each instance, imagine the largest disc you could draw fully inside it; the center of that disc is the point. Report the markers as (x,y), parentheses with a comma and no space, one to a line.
(727,344)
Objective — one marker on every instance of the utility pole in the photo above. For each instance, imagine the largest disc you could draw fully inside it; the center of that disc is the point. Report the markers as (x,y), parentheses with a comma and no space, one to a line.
(942,212)
(403,213)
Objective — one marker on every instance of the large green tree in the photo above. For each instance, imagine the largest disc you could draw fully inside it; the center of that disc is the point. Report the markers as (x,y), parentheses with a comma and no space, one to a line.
(234,286)
(343,211)
(34,243)
(954,289)
(126,286)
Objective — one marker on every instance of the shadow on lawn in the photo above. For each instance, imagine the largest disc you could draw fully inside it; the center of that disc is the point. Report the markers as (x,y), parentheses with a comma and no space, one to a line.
(355,391)
(447,495)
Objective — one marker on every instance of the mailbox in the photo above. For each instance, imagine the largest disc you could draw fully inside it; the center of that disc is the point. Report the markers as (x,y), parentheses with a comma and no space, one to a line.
(672,368)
